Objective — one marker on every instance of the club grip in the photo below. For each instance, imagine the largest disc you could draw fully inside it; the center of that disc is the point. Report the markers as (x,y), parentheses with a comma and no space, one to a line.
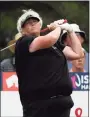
(46,29)
(65,21)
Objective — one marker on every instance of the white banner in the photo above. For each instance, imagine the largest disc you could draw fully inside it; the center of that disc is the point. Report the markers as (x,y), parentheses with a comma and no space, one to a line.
(10,100)
(11,105)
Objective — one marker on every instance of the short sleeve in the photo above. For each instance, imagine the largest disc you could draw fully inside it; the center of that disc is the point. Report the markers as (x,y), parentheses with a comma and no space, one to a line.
(23,43)
(60,45)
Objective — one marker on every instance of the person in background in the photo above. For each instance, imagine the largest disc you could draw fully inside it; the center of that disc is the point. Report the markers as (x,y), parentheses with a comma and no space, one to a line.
(78,65)
(8,64)
(80,34)
(41,66)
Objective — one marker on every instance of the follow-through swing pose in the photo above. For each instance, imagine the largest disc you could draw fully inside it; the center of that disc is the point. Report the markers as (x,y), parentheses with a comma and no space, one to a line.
(41,67)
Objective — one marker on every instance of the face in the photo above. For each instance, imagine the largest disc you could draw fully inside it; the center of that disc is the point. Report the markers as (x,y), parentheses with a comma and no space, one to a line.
(79,63)
(32,27)
(80,38)
(68,41)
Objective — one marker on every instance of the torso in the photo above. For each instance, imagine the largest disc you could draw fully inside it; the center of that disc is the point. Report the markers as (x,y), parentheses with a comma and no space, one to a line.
(43,72)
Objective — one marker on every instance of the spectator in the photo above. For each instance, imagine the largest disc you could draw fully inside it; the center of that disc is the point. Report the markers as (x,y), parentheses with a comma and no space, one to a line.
(78,65)
(66,40)
(8,64)
(80,34)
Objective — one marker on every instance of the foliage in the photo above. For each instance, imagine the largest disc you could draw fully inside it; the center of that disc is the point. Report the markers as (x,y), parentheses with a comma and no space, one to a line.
(74,12)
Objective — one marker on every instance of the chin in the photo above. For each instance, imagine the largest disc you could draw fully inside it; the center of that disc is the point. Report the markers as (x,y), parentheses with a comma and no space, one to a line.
(79,67)
(34,33)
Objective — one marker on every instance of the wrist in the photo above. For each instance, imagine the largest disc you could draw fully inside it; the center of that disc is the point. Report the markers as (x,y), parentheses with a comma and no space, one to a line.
(66,27)
(53,26)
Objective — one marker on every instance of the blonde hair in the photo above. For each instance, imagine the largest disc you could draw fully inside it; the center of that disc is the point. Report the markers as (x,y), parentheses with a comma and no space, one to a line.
(27,14)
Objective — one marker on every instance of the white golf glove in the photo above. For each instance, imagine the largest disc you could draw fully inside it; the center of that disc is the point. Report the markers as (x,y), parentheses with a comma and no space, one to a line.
(59,22)
(55,24)
(67,27)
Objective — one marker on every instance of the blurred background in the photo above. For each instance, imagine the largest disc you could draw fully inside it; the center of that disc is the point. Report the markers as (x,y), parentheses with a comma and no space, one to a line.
(73,11)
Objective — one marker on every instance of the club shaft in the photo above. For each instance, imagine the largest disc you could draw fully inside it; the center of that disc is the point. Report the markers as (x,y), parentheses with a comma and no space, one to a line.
(7,47)
(43,30)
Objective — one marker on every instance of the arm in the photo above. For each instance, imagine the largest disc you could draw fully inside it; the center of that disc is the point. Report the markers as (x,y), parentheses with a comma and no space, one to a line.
(75,50)
(46,41)
(70,54)
(75,44)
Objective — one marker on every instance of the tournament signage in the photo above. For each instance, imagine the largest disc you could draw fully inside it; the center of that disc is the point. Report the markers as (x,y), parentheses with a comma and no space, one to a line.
(9,81)
(11,101)
(80,81)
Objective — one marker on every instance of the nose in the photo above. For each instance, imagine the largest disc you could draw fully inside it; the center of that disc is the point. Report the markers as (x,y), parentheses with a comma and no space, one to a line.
(80,60)
(33,23)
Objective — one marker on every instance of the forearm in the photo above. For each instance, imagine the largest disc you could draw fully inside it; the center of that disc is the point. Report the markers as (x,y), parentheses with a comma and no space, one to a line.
(46,41)
(75,44)
(53,36)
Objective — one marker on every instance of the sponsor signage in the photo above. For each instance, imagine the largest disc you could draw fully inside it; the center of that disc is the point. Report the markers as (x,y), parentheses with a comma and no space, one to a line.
(80,81)
(9,81)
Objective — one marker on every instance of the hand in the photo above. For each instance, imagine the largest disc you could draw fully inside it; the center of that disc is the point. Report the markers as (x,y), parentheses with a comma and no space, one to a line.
(67,27)
(56,24)
(53,26)
(59,22)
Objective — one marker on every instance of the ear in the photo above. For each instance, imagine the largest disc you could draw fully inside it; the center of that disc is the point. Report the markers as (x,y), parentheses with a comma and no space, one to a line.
(22,32)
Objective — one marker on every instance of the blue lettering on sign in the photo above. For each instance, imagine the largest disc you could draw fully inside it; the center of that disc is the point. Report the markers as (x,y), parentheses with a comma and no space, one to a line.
(80,81)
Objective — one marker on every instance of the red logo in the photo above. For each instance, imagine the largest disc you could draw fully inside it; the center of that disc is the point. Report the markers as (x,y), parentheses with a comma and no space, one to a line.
(10,81)
(78,112)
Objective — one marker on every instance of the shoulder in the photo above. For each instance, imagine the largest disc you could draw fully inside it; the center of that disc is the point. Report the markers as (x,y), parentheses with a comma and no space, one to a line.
(22,44)
(60,45)
(26,39)
(6,64)
(6,61)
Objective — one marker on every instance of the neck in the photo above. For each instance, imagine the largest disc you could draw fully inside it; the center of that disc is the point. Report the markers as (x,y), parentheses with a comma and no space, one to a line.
(74,69)
(35,34)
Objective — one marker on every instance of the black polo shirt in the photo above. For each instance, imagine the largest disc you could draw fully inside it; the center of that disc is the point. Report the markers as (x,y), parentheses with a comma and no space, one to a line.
(41,74)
